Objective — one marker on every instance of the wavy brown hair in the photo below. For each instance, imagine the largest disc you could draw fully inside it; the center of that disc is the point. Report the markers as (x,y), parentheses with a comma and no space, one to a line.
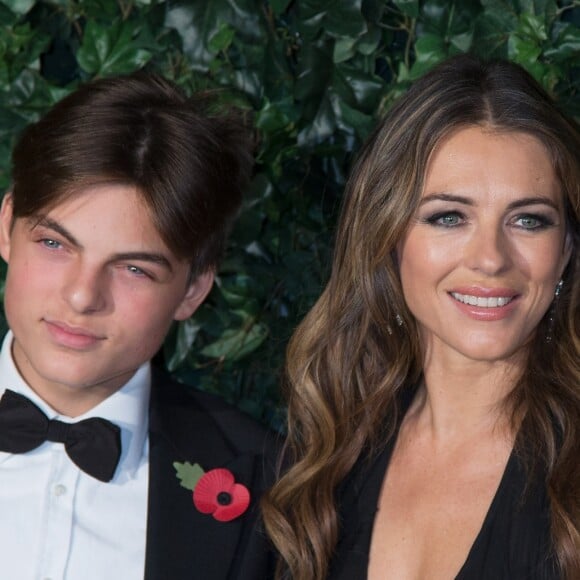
(358,348)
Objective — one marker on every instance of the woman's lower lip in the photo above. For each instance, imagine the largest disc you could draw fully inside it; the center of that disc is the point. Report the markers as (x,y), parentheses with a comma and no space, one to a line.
(77,341)
(486,314)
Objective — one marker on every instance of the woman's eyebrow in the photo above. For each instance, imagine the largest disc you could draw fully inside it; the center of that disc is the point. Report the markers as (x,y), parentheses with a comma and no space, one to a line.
(447,197)
(539,200)
(524,201)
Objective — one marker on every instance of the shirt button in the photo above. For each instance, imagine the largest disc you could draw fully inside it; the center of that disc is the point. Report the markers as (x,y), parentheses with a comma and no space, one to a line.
(58,491)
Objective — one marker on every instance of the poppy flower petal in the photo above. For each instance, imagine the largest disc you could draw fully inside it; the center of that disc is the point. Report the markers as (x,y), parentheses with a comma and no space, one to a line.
(209,486)
(240,500)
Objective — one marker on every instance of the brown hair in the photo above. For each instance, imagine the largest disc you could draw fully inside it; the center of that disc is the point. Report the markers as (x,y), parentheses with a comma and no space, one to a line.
(351,357)
(189,165)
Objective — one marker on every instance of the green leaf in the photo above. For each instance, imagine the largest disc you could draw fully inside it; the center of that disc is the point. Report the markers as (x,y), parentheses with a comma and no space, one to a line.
(221,39)
(19,6)
(463,41)
(369,42)
(188,474)
(493,27)
(28,97)
(314,71)
(430,49)
(274,116)
(279,6)
(187,332)
(197,23)
(408,7)
(111,49)
(349,118)
(322,126)
(566,46)
(366,89)
(344,48)
(7,18)
(345,19)
(533,27)
(522,50)
(234,344)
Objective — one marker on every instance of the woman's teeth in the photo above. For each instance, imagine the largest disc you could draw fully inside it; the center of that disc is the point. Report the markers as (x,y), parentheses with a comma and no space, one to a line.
(490,302)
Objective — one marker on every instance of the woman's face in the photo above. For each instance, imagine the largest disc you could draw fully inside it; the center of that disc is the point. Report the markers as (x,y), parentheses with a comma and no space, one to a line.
(487,246)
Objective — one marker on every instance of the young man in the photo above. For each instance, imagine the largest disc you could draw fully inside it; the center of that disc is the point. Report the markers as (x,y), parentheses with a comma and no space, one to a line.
(121,201)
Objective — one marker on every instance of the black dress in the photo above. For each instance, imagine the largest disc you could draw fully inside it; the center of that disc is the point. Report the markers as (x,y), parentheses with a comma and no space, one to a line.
(513,543)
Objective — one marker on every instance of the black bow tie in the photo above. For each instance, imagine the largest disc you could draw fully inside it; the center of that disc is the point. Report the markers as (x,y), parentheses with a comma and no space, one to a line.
(94,445)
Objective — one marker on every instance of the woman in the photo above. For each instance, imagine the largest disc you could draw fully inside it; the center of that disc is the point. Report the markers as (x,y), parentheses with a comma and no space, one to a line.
(434,392)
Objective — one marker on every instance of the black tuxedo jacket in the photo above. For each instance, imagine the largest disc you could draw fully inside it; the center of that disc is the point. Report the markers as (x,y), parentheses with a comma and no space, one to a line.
(182,543)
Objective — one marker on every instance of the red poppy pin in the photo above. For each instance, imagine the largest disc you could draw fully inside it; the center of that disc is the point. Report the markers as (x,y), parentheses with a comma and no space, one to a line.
(215,492)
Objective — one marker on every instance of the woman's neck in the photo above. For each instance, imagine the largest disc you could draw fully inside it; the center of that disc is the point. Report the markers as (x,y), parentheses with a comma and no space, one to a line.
(460,398)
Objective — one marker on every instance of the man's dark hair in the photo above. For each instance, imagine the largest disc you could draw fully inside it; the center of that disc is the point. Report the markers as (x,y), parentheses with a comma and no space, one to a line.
(190,166)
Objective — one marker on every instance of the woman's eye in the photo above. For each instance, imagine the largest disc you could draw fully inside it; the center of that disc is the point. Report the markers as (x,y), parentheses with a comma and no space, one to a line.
(532,222)
(446,219)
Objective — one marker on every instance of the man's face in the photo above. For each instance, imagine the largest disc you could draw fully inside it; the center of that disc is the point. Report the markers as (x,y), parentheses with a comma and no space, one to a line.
(91,292)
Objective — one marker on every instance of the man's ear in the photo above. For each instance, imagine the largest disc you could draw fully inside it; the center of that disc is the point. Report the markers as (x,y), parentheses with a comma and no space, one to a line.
(195,295)
(5,226)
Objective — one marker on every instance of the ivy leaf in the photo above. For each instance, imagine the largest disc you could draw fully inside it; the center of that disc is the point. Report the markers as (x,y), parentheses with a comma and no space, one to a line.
(200,23)
(533,27)
(364,88)
(463,41)
(430,49)
(408,7)
(221,39)
(493,27)
(279,6)
(567,45)
(523,50)
(234,344)
(369,42)
(344,48)
(322,126)
(345,19)
(111,49)
(188,474)
(187,332)
(19,6)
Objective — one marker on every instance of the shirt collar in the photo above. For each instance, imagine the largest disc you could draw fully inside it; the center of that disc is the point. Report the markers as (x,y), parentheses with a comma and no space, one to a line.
(128,407)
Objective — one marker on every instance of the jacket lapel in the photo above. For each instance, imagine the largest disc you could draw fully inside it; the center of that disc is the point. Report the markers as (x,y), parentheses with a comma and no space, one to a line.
(183,543)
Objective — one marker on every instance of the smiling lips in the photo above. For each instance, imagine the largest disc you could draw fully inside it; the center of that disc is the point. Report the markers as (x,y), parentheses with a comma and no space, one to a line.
(482,301)
(485,304)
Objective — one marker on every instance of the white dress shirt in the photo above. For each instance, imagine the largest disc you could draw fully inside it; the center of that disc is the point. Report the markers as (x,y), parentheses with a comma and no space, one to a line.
(58,523)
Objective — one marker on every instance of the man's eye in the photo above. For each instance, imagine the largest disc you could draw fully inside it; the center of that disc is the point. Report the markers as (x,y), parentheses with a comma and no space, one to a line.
(51,244)
(136,271)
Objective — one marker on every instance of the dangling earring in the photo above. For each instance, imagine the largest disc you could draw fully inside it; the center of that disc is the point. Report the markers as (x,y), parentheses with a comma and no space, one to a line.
(400,322)
(552,316)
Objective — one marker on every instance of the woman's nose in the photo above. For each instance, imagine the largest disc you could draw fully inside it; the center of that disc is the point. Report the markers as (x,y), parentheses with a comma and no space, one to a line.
(488,250)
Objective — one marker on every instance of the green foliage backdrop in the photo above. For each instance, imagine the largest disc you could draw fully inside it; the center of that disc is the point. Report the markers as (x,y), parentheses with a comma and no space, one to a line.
(315,74)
